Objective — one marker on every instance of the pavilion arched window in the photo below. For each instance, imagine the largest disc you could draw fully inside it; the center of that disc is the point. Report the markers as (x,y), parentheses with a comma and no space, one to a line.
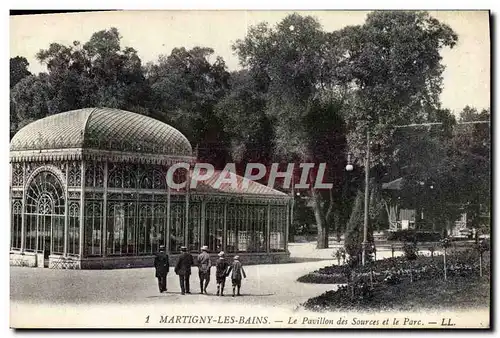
(94,174)
(16,224)
(157,233)
(93,228)
(123,176)
(74,229)
(45,206)
(177,219)
(152,177)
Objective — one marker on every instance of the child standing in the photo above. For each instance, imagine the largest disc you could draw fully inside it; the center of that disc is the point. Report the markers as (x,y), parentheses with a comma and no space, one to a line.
(237,272)
(220,273)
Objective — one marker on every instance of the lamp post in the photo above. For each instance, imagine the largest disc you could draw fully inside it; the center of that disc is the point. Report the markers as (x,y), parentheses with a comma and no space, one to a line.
(367,193)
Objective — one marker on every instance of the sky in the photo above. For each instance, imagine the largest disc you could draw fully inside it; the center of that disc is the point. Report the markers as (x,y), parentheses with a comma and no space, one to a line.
(152,33)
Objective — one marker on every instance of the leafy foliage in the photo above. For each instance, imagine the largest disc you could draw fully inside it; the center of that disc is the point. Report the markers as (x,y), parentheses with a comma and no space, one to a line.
(18,69)
(97,73)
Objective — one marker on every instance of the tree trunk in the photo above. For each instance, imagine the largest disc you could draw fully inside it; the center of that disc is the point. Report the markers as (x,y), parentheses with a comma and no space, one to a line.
(444,264)
(321,220)
(391,209)
(480,264)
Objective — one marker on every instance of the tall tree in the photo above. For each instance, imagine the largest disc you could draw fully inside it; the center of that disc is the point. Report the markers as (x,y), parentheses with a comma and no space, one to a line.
(18,69)
(28,101)
(393,66)
(248,128)
(288,63)
(98,73)
(395,69)
(186,87)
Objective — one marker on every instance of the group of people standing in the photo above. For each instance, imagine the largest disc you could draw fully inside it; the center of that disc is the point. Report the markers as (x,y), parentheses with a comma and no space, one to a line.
(204,263)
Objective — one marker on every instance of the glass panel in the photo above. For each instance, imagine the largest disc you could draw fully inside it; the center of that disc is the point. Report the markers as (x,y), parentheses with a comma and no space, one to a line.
(242,229)
(256,228)
(74,229)
(93,228)
(214,226)
(31,231)
(115,227)
(277,228)
(157,234)
(121,229)
(177,217)
(58,235)
(194,228)
(145,240)
(232,222)
(129,246)
(16,224)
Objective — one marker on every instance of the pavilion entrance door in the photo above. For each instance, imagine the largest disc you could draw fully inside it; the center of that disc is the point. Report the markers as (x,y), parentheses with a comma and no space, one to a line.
(46,239)
(46,202)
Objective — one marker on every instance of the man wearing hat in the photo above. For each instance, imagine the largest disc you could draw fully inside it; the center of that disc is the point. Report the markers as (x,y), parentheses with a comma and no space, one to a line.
(161,267)
(183,269)
(220,273)
(204,265)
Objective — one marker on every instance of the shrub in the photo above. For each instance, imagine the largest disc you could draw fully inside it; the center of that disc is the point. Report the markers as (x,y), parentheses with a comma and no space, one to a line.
(410,251)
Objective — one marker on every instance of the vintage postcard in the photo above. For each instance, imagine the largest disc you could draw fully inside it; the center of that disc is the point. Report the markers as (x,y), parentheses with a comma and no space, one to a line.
(250,169)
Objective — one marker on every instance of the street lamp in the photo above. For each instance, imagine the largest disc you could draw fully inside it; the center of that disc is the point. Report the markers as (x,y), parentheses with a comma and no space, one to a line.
(349,166)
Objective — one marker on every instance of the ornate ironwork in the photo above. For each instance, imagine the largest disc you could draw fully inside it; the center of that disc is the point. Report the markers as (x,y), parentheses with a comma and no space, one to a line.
(74,209)
(45,195)
(16,193)
(122,175)
(74,194)
(74,177)
(94,174)
(17,207)
(65,263)
(17,175)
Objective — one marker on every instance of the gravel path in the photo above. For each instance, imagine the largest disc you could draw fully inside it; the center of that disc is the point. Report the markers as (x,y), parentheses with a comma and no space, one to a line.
(274,285)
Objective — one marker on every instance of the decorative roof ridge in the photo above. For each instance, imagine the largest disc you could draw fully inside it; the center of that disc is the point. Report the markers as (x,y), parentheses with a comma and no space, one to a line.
(94,109)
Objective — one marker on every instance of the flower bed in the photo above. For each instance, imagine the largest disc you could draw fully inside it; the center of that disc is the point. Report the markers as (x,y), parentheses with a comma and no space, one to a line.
(456,293)
(463,263)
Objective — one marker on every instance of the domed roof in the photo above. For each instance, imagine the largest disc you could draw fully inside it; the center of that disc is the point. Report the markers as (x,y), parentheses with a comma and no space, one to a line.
(102,129)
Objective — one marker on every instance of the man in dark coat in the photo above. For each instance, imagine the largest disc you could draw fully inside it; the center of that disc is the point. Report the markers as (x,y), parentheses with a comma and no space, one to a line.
(183,269)
(161,267)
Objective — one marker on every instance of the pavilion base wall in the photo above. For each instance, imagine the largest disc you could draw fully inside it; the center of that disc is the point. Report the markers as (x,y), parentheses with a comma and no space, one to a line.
(29,259)
(147,261)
